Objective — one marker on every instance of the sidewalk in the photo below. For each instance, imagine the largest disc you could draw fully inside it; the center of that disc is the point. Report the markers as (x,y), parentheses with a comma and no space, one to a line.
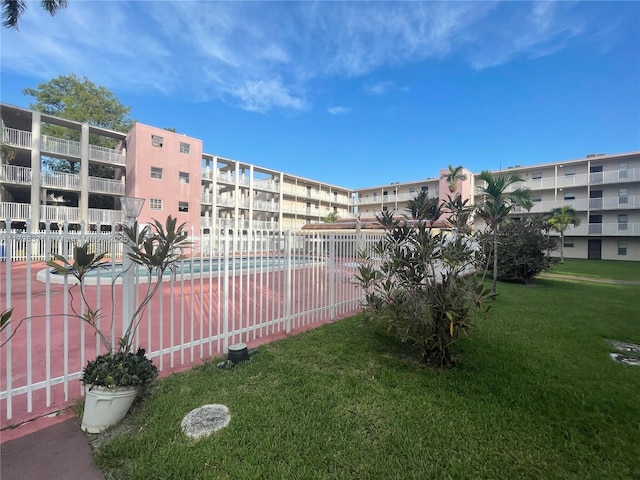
(51,448)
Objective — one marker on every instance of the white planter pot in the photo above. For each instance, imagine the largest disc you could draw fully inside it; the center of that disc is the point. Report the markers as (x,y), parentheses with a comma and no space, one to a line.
(105,407)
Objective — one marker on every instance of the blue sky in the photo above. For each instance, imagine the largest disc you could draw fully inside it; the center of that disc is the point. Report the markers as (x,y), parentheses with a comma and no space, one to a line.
(355,94)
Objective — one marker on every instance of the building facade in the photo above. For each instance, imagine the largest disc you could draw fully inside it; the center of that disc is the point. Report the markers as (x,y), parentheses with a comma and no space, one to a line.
(169,170)
(604,190)
(96,167)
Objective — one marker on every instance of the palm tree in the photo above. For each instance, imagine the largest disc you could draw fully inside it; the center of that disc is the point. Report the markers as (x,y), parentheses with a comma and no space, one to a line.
(453,176)
(497,205)
(559,219)
(12,10)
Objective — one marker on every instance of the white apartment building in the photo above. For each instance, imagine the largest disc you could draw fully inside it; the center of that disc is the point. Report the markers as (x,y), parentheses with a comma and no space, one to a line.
(176,177)
(603,189)
(167,169)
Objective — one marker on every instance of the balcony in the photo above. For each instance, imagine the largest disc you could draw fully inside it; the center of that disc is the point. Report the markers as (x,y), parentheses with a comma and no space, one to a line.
(60,146)
(106,186)
(267,185)
(16,138)
(60,181)
(225,201)
(604,229)
(15,175)
(266,206)
(15,211)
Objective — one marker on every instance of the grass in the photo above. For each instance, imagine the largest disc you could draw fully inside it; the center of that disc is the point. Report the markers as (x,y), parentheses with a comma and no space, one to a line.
(614,269)
(535,396)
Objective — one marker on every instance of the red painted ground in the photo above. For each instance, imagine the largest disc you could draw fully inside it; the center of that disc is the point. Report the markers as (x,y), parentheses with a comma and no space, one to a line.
(187,312)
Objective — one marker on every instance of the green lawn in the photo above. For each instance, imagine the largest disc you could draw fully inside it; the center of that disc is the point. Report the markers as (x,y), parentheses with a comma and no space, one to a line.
(613,269)
(535,396)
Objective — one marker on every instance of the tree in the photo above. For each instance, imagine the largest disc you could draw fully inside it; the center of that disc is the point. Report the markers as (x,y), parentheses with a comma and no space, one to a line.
(83,101)
(331,217)
(454,176)
(559,219)
(523,248)
(418,282)
(497,205)
(12,10)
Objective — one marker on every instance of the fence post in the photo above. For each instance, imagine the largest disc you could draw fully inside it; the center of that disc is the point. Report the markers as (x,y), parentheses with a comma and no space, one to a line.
(287,285)
(332,275)
(225,294)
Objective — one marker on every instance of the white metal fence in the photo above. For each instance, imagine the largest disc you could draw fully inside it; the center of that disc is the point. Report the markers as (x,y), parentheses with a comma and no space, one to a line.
(250,289)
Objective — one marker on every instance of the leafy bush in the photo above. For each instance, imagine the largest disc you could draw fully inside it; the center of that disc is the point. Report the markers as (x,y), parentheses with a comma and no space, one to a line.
(121,369)
(523,249)
(419,281)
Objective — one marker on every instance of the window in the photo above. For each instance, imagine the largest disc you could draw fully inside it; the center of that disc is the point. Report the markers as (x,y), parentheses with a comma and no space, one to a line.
(424,189)
(536,176)
(184,147)
(569,173)
(184,177)
(156,172)
(623,170)
(536,199)
(156,141)
(568,243)
(385,192)
(384,209)
(155,204)
(623,222)
(412,190)
(569,196)
(622,248)
(183,207)
(623,196)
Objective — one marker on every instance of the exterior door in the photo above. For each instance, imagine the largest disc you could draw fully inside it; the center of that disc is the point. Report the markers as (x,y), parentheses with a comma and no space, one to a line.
(594,249)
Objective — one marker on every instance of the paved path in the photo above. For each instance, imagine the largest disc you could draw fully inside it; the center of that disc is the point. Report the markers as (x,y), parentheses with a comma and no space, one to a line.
(56,450)
(561,276)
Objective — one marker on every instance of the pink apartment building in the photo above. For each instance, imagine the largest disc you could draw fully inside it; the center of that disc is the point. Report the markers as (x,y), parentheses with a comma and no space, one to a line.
(165,169)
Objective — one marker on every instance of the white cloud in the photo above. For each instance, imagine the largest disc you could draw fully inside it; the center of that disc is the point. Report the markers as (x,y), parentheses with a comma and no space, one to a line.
(338,110)
(379,88)
(265,56)
(263,95)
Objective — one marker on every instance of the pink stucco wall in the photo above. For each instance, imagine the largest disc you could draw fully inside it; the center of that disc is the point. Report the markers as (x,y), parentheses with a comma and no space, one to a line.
(142,155)
(464,187)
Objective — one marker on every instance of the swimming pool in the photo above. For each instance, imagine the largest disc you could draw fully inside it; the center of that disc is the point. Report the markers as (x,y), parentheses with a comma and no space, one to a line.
(109,272)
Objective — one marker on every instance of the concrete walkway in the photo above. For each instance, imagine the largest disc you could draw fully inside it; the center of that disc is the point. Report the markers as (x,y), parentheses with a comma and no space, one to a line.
(47,448)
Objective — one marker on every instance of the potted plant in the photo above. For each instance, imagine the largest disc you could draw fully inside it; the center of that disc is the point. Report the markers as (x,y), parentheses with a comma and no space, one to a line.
(114,379)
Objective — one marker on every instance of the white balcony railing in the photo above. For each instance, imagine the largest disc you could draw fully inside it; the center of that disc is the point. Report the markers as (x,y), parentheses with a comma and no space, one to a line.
(16,138)
(266,206)
(62,181)
(604,229)
(225,202)
(105,217)
(106,185)
(60,146)
(15,211)
(267,185)
(106,155)
(14,174)
(60,214)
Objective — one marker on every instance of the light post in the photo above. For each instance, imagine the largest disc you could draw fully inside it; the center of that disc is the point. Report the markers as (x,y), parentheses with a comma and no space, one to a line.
(131,207)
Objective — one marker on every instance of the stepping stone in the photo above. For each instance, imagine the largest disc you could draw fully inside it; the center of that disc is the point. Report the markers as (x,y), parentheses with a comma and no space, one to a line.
(205,420)
(624,346)
(626,359)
